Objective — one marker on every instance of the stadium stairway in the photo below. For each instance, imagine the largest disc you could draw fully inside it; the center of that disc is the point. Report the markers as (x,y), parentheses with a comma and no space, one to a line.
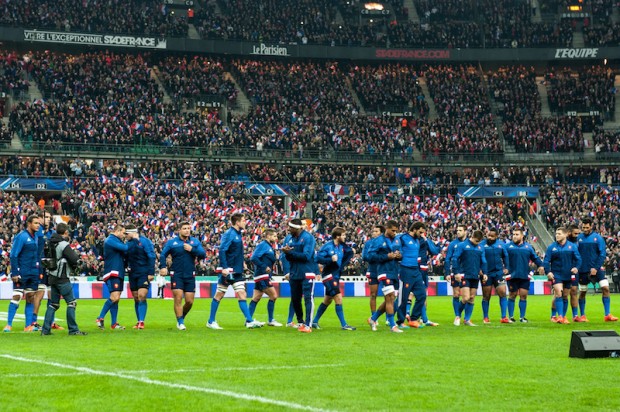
(339,20)
(432,109)
(578,37)
(539,230)
(356,98)
(16,143)
(243,103)
(545,110)
(413,13)
(536,18)
(155,76)
(588,151)
(34,92)
(192,32)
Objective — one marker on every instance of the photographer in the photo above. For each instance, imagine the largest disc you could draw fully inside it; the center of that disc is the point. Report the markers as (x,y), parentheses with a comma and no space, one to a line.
(59,282)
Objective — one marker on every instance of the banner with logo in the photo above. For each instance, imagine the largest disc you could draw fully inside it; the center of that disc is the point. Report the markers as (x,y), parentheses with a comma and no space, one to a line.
(89,39)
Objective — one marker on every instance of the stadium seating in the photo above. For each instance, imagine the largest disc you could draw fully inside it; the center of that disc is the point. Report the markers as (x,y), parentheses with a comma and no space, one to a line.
(137,17)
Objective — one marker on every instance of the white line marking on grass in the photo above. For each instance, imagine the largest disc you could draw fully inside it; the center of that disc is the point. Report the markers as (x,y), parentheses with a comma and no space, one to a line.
(266,368)
(241,368)
(229,394)
(42,375)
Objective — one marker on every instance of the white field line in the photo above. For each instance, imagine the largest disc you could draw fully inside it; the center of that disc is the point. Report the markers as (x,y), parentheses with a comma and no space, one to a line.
(43,375)
(148,381)
(232,369)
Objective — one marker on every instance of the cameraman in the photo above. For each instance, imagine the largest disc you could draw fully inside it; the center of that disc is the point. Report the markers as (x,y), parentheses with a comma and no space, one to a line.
(59,282)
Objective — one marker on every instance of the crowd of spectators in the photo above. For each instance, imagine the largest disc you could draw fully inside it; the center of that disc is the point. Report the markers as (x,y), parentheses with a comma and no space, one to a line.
(193,77)
(600,30)
(569,204)
(271,21)
(5,134)
(602,36)
(443,24)
(465,122)
(587,90)
(451,35)
(148,17)
(389,86)
(14,73)
(606,141)
(158,195)
(445,10)
(312,178)
(561,134)
(515,88)
(95,204)
(104,99)
(509,24)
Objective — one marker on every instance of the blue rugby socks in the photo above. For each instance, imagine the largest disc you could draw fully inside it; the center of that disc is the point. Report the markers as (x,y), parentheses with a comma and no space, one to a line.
(214,305)
(271,306)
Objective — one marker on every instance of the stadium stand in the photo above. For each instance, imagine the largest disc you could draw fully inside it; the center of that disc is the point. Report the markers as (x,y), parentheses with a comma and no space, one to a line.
(304,113)
(148,17)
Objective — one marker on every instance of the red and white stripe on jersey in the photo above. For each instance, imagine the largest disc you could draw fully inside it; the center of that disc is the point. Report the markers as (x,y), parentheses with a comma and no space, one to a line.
(382,277)
(111,274)
(310,276)
(328,278)
(261,278)
(424,268)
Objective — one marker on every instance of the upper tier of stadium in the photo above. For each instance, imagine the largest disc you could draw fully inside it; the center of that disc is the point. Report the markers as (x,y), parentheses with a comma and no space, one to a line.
(398,23)
(105,101)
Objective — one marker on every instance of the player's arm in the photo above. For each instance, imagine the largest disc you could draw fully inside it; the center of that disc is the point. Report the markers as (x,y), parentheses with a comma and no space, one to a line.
(601,254)
(347,255)
(306,255)
(378,255)
(224,246)
(324,256)
(257,259)
(505,259)
(163,268)
(433,249)
(198,250)
(483,262)
(576,262)
(16,249)
(149,249)
(547,262)
(448,261)
(456,260)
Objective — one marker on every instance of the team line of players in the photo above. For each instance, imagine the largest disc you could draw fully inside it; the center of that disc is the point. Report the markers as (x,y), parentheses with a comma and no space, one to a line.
(397,263)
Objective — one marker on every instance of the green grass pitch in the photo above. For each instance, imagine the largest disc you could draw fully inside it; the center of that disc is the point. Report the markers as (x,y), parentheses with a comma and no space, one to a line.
(491,367)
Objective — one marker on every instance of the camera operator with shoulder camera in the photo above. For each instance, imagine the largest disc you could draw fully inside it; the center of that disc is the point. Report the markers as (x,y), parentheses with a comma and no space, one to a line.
(60,285)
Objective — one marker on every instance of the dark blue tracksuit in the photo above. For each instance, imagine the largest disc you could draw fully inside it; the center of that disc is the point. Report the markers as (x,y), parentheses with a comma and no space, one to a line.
(497,259)
(371,271)
(593,251)
(560,259)
(410,278)
(469,260)
(303,269)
